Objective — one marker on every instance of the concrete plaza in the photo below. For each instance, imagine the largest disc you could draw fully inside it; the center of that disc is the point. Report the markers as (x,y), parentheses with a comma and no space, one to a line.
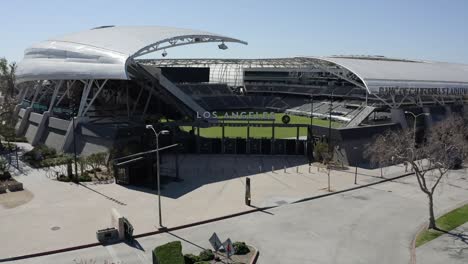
(370,225)
(60,215)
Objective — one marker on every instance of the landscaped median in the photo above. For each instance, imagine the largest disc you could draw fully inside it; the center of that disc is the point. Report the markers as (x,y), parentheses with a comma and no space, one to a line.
(445,223)
(171,253)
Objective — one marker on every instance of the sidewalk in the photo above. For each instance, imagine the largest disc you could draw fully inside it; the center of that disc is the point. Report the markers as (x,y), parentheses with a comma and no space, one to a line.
(65,214)
(449,248)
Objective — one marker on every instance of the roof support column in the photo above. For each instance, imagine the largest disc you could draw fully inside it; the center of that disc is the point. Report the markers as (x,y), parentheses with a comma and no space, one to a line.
(21,126)
(94,97)
(84,96)
(398,116)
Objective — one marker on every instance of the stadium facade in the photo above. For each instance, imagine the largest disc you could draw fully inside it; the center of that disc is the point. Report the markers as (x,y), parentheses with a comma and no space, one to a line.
(90,91)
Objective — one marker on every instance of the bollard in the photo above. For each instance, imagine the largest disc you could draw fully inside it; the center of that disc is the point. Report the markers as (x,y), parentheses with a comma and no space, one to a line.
(247,191)
(284,168)
(297,169)
(272,169)
(310,169)
(260,168)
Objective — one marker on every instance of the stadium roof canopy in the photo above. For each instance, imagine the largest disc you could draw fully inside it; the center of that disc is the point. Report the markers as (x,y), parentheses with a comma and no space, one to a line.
(377,72)
(104,52)
(368,72)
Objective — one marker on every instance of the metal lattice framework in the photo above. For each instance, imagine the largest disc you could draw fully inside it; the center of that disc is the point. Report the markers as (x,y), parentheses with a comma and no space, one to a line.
(181,41)
(231,71)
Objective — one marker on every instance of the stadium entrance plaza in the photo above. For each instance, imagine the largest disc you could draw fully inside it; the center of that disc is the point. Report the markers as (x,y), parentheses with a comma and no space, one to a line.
(59,215)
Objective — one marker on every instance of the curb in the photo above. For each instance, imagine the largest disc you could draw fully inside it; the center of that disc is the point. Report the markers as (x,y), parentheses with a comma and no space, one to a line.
(255,256)
(425,225)
(62,250)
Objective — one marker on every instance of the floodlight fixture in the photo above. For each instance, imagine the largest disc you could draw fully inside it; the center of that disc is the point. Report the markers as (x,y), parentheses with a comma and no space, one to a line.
(223,46)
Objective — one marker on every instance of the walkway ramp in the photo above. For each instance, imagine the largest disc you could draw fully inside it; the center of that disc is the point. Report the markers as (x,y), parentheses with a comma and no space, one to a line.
(170,91)
(361,116)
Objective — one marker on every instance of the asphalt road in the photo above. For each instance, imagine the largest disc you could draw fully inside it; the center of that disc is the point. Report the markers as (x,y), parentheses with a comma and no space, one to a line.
(370,225)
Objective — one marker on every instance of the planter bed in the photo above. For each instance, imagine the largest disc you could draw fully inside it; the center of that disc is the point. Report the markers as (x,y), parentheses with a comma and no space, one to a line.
(15,186)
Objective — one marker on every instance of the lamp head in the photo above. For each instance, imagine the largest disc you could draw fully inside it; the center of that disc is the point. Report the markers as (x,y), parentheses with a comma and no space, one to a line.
(149,126)
(223,46)
(164,132)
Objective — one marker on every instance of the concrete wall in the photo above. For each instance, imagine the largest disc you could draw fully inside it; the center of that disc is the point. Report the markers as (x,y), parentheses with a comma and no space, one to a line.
(351,142)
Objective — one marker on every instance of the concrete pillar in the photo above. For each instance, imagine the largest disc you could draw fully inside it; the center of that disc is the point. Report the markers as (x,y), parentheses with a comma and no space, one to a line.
(427,118)
(68,142)
(17,109)
(24,122)
(41,127)
(448,110)
(398,116)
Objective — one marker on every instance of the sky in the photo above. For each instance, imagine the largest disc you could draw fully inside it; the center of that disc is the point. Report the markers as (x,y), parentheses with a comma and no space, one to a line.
(411,29)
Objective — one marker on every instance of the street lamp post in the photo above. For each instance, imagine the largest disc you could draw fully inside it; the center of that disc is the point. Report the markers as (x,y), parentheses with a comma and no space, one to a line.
(74,144)
(162,132)
(414,125)
(311,113)
(329,125)
(355,172)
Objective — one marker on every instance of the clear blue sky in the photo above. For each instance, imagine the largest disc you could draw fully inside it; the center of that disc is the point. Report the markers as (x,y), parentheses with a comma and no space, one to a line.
(432,30)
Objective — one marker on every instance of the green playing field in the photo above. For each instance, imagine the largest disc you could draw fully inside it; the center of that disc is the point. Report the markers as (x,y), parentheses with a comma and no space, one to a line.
(263,132)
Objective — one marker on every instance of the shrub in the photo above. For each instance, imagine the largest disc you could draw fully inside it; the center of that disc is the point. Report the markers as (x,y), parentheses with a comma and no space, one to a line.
(85,178)
(5,175)
(321,151)
(191,258)
(3,165)
(41,152)
(170,253)
(206,255)
(240,248)
(63,178)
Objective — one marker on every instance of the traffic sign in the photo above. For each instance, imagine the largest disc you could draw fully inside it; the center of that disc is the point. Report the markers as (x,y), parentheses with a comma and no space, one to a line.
(227,245)
(215,242)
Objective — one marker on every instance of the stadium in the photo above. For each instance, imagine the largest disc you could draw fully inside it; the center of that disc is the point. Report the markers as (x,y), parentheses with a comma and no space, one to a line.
(91,91)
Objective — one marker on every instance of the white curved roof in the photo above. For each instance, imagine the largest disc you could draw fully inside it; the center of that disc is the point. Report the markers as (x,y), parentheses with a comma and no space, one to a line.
(382,72)
(103,53)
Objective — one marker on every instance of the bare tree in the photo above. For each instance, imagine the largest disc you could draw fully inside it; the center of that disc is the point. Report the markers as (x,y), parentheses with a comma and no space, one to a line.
(7,88)
(444,148)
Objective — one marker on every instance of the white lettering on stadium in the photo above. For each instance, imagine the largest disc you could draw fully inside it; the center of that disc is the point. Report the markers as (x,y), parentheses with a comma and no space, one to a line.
(395,90)
(238,115)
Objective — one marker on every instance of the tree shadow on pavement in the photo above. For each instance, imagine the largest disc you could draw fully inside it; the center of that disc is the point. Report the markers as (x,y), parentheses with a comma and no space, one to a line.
(185,240)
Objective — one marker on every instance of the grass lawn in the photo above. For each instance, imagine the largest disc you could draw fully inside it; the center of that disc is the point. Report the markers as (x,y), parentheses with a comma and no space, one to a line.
(263,132)
(446,222)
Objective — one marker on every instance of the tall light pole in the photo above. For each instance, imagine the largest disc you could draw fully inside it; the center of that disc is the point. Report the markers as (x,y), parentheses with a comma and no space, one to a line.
(311,113)
(330,124)
(162,132)
(74,143)
(414,125)
(355,172)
